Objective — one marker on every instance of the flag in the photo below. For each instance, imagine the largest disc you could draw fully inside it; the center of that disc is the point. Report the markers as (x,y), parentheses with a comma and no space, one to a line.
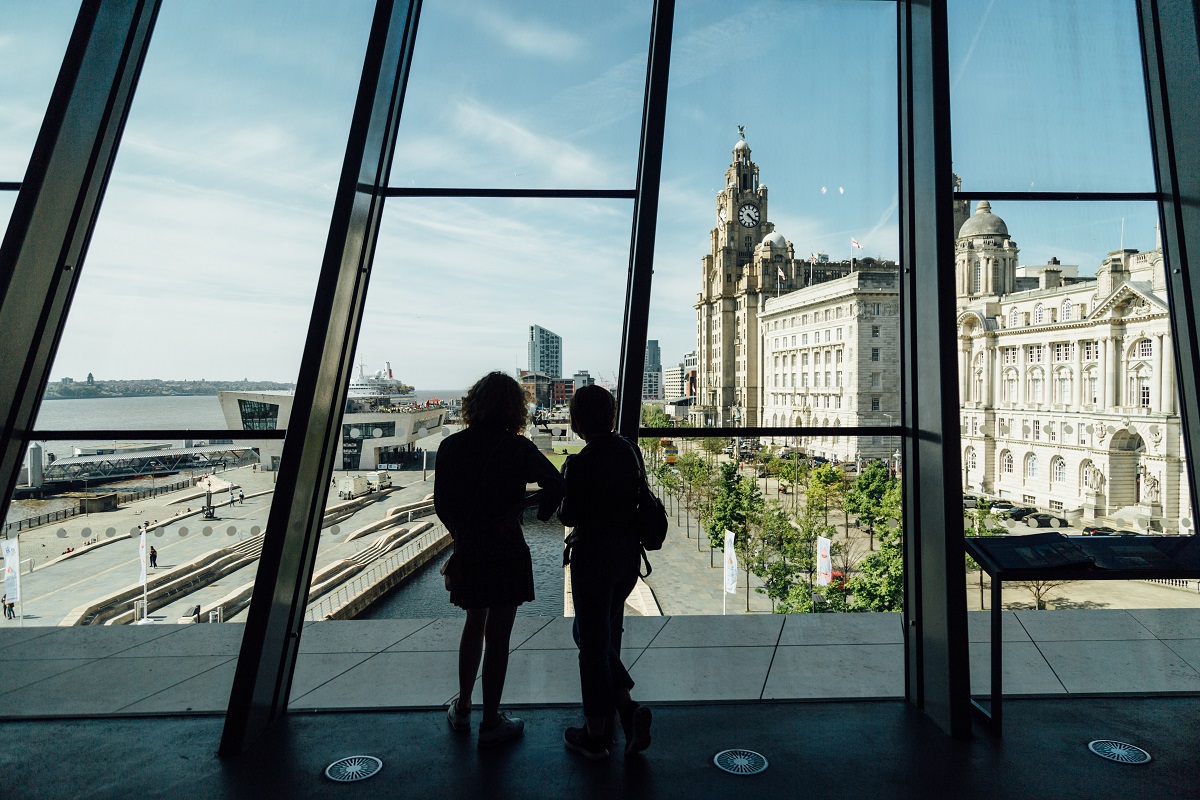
(824,563)
(731,565)
(142,557)
(856,244)
(812,257)
(12,569)
(781,275)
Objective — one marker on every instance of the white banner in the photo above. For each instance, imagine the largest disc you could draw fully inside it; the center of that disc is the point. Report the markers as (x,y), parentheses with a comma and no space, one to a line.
(142,557)
(731,565)
(12,570)
(824,562)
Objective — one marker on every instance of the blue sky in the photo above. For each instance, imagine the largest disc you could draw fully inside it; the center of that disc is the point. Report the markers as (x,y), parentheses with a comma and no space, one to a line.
(206,254)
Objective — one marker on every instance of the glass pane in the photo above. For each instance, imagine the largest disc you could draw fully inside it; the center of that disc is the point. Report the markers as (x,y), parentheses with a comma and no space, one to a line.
(525,95)
(7,201)
(205,256)
(78,515)
(35,36)
(1048,96)
(792,318)
(1070,407)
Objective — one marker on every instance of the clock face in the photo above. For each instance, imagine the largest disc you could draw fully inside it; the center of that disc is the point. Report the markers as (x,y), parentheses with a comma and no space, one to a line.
(748,215)
(722,215)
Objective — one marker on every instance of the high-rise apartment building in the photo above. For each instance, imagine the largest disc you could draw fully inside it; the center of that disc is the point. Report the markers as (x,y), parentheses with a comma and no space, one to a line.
(652,374)
(545,351)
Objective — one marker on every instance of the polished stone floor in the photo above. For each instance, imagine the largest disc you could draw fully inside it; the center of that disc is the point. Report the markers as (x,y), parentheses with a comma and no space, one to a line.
(411,664)
(870,750)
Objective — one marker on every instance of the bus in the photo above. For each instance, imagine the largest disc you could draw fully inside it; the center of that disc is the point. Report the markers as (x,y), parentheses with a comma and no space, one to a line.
(670,451)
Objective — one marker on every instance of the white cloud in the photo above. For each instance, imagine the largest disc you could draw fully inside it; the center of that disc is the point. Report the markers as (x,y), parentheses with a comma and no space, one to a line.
(528,36)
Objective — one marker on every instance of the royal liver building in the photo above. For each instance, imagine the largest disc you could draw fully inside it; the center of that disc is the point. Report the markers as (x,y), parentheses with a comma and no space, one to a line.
(1067,384)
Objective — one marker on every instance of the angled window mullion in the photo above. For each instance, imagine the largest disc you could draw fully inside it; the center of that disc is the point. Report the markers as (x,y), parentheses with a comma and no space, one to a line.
(1171,57)
(57,206)
(937,670)
(645,220)
(271,642)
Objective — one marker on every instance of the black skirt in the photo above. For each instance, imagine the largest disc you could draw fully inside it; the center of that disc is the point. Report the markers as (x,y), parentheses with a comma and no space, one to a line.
(497,569)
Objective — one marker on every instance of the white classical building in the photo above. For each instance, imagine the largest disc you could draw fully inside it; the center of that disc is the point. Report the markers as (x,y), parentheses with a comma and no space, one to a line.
(831,358)
(1067,390)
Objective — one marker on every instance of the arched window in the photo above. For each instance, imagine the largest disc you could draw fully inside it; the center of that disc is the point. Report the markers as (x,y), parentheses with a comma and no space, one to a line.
(1036,386)
(970,459)
(1010,387)
(1145,348)
(1062,386)
(1031,466)
(1012,318)
(1039,314)
(1058,471)
(1085,474)
(1064,313)
(1091,387)
(1006,463)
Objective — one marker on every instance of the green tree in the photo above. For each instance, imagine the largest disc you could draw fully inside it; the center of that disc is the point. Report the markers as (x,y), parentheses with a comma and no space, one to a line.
(713,445)
(733,502)
(865,498)
(879,584)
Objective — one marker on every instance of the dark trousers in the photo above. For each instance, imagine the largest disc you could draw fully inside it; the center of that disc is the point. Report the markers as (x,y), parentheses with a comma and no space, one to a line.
(603,573)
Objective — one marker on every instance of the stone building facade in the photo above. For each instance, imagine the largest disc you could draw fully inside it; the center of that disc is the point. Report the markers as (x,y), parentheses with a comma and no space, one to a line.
(831,358)
(748,262)
(1067,390)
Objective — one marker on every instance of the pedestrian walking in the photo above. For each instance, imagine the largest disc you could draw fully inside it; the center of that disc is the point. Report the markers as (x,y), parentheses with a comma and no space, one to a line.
(242,497)
(153,558)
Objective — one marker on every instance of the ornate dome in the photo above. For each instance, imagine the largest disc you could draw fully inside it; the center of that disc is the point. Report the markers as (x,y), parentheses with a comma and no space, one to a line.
(983,223)
(775,240)
(741,145)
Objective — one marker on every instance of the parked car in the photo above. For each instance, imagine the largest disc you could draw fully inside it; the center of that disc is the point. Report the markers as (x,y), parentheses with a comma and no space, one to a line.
(1001,505)
(1043,520)
(1017,513)
(970,501)
(1104,530)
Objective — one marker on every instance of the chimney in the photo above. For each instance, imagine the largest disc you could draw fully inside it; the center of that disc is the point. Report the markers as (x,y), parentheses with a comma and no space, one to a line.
(1051,277)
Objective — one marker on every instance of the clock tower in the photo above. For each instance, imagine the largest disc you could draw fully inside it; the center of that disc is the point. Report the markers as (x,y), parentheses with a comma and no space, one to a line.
(748,261)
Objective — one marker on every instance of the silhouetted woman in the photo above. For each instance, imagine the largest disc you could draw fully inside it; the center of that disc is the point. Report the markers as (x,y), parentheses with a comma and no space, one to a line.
(479,493)
(602,494)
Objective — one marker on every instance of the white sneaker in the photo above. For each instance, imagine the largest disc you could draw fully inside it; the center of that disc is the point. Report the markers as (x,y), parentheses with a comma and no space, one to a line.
(507,729)
(459,720)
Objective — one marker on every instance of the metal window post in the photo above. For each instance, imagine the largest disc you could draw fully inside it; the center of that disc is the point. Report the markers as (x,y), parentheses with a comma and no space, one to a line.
(1171,56)
(645,221)
(263,679)
(56,208)
(935,604)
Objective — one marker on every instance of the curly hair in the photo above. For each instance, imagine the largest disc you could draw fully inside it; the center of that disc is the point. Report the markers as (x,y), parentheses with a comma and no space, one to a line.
(593,411)
(496,401)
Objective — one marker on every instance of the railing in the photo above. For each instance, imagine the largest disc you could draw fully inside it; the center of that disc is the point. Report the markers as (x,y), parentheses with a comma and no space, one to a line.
(40,519)
(122,497)
(337,598)
(1178,583)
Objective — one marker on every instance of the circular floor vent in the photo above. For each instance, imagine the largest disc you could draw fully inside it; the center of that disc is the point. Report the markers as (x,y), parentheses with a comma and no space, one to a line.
(353,768)
(1119,751)
(740,762)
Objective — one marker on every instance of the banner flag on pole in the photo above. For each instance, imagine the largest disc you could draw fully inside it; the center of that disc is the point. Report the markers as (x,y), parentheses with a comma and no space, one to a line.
(824,562)
(12,569)
(142,557)
(856,244)
(731,565)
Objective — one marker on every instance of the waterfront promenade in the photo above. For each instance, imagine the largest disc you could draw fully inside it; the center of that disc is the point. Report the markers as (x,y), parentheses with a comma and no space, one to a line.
(59,584)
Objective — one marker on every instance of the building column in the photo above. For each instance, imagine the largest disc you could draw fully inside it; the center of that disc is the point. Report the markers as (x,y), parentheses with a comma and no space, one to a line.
(1106,379)
(989,391)
(1077,385)
(1167,379)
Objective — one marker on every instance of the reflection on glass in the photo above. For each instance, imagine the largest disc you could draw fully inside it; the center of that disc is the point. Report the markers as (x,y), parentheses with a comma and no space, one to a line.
(7,201)
(1048,96)
(206,252)
(33,44)
(793,317)
(503,96)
